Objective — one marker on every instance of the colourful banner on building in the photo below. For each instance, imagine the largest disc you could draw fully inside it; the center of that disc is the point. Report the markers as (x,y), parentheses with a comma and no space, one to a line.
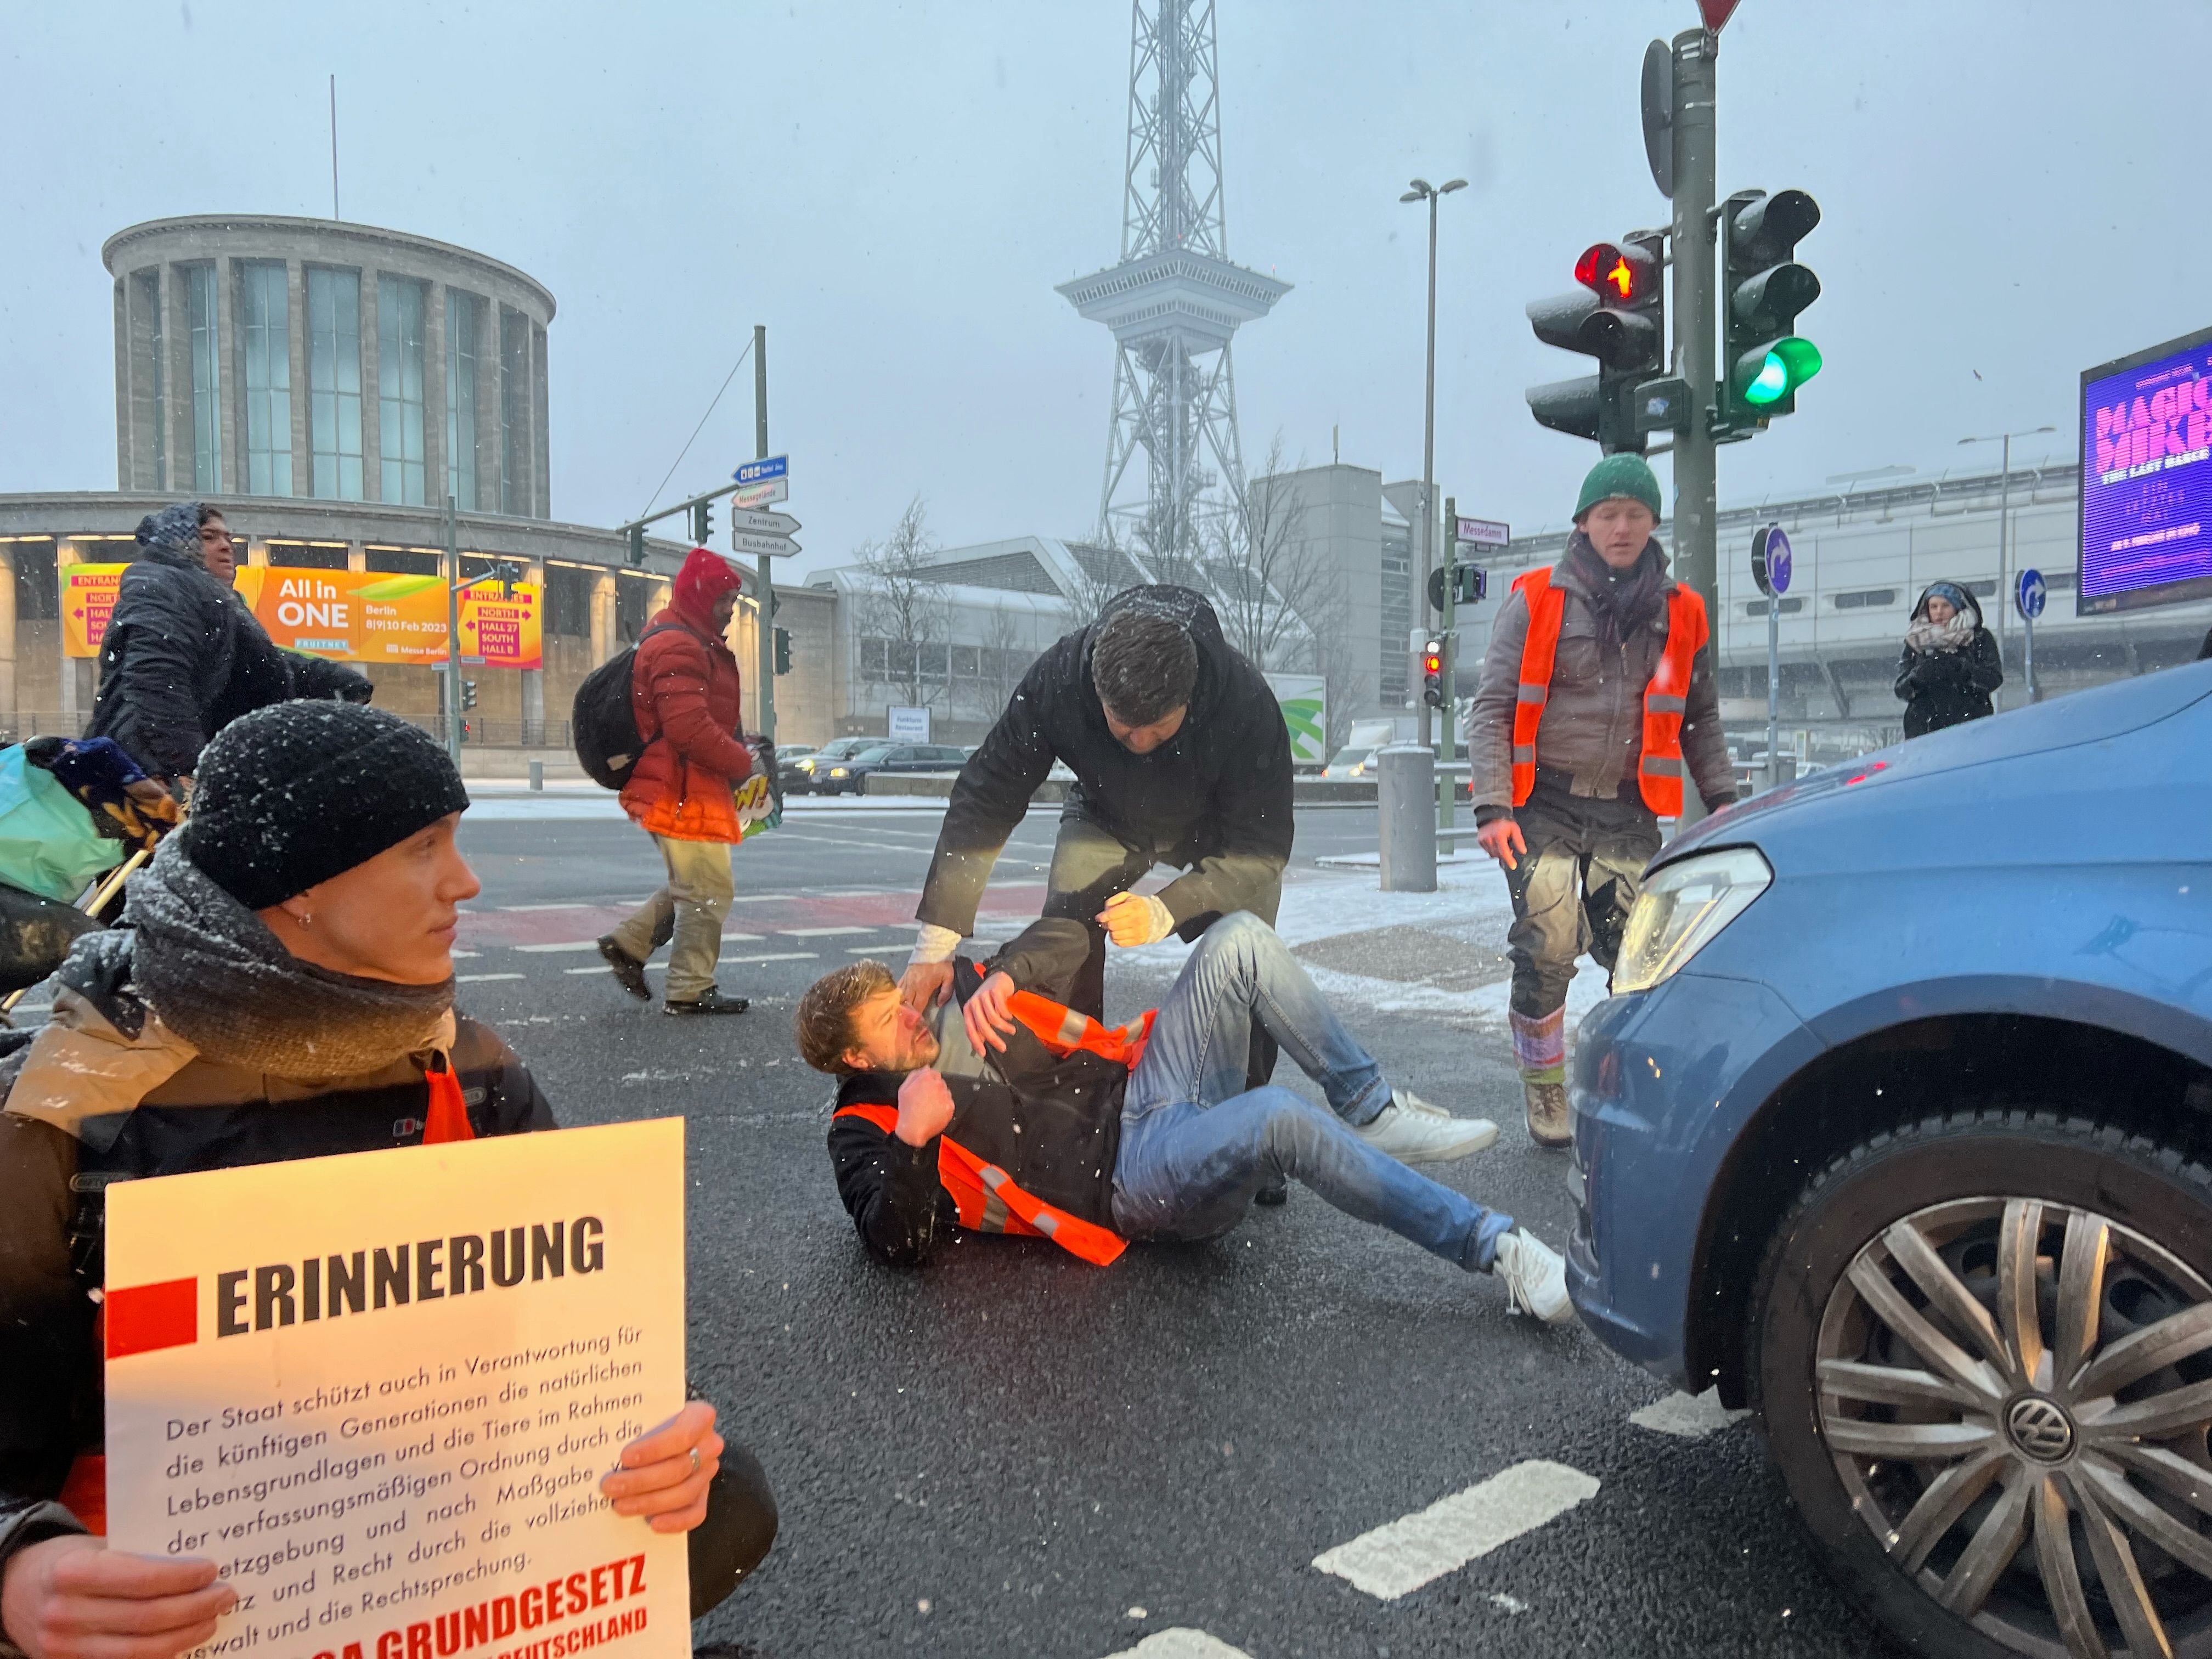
(352,616)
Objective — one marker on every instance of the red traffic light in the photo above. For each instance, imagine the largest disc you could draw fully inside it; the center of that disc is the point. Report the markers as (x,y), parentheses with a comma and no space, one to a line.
(1432,662)
(1620,275)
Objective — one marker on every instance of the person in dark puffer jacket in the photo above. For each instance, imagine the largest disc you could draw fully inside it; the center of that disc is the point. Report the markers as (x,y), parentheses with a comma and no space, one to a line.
(182,657)
(281,989)
(1950,664)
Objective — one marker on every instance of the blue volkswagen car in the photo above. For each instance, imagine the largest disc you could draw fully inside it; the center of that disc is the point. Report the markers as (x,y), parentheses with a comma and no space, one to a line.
(1897,1129)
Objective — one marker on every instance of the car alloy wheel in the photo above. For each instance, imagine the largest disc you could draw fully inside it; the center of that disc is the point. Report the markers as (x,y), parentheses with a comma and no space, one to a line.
(2015,1394)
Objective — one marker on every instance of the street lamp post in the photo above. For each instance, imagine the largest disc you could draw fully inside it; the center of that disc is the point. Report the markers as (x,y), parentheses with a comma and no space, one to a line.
(1423,190)
(2004,514)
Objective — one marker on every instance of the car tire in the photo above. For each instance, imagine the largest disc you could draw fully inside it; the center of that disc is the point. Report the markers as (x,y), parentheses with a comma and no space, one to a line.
(2124,1212)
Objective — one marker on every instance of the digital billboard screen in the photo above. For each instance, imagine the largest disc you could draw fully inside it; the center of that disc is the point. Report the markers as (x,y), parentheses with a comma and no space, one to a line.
(2146,513)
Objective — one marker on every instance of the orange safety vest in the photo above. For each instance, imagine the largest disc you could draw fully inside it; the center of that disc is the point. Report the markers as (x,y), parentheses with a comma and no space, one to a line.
(1659,771)
(985,1196)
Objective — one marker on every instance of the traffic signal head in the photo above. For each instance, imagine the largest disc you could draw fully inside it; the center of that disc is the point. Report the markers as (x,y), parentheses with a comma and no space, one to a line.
(1619,316)
(782,649)
(1433,671)
(702,523)
(1763,289)
(468,694)
(637,544)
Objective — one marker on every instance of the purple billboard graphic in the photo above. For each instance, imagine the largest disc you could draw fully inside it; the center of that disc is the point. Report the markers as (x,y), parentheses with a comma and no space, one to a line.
(2146,513)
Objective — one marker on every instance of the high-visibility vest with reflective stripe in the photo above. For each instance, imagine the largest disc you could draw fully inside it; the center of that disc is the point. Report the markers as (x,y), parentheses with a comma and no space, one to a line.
(987,1200)
(1659,771)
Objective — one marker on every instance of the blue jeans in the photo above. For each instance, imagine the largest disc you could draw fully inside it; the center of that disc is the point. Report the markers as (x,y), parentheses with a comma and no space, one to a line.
(1196,1146)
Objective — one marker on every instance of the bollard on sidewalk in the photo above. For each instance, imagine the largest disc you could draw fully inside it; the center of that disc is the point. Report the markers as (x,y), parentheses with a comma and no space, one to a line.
(1406,789)
(538,774)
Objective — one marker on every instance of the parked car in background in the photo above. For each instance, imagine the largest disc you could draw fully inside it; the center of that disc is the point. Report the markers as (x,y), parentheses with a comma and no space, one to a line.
(797,776)
(1897,1129)
(1351,761)
(850,775)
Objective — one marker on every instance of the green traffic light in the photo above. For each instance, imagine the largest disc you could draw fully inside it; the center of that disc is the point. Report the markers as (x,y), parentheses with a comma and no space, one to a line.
(1789,362)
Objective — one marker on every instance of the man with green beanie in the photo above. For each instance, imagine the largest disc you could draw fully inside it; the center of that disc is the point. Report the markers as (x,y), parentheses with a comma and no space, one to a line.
(1596,696)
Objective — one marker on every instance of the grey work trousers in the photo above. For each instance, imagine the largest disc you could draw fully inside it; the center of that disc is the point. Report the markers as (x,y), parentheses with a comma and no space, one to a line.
(689,907)
(1573,889)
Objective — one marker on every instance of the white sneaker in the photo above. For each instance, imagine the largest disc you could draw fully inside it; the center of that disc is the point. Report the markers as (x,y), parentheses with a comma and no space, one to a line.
(1412,1131)
(1535,1277)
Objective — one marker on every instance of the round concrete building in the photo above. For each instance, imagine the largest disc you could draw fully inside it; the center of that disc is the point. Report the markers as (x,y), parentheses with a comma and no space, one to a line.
(259,356)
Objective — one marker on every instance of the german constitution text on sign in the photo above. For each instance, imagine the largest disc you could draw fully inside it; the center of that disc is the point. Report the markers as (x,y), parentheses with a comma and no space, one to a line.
(381,1391)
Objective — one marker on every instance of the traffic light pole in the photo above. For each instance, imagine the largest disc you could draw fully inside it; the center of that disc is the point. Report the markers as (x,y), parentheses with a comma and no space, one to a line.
(764,582)
(1447,716)
(452,691)
(1697,551)
(1429,451)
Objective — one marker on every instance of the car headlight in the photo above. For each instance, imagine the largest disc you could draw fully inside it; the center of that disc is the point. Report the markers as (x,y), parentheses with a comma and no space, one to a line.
(1681,908)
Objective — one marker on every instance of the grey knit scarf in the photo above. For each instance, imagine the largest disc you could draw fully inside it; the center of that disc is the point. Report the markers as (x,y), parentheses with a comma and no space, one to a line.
(222,982)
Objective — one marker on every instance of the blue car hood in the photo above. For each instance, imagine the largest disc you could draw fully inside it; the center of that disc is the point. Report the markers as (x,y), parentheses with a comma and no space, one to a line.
(1945,764)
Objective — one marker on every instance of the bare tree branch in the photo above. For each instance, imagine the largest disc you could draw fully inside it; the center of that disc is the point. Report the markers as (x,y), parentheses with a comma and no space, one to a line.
(1269,579)
(904,606)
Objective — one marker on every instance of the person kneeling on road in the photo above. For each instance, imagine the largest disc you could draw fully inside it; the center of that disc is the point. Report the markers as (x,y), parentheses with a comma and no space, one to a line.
(1020,1115)
(283,988)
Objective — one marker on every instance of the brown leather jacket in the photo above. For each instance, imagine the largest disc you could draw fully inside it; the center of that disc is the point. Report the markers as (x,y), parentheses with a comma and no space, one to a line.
(1593,728)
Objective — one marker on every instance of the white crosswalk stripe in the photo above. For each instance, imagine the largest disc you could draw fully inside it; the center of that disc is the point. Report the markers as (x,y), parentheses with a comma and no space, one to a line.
(478,979)
(779,956)
(1181,1643)
(1687,1416)
(1396,1559)
(569,945)
(821,932)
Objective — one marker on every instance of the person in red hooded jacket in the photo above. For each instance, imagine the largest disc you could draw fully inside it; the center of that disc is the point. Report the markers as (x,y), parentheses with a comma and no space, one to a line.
(685,689)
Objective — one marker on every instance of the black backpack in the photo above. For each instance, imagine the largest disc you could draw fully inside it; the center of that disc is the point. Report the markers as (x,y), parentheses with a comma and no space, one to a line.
(603,722)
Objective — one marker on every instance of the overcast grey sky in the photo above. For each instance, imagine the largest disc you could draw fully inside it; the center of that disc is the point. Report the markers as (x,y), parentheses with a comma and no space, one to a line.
(894,190)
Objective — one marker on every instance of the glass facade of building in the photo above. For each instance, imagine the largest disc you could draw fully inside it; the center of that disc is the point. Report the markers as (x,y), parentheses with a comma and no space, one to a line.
(462,311)
(514,412)
(264,304)
(146,300)
(334,384)
(207,437)
(399,307)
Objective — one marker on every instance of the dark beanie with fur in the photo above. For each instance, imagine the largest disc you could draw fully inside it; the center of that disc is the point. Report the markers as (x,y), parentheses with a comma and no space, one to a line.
(293,794)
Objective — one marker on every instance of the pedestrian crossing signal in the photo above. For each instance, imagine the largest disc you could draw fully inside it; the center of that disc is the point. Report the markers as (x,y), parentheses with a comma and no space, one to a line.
(1433,671)
(782,650)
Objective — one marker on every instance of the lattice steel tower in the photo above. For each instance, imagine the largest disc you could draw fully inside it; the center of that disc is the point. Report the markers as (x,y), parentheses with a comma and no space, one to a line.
(1173,301)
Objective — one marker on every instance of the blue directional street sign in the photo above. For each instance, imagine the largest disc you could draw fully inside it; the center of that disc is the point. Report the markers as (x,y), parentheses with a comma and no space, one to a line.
(2031,594)
(761,472)
(1770,559)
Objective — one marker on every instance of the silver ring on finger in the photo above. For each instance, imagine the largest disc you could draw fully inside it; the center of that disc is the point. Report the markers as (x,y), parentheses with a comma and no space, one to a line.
(695,1460)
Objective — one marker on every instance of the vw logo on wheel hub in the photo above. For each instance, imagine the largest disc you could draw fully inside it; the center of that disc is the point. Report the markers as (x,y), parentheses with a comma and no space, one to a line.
(2039,1428)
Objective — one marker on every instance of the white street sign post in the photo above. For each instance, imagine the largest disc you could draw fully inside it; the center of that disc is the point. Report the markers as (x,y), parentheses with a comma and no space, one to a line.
(777,547)
(763,524)
(1485,532)
(760,494)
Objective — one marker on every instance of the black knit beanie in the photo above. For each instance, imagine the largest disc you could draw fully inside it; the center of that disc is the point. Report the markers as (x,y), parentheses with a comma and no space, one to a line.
(297,793)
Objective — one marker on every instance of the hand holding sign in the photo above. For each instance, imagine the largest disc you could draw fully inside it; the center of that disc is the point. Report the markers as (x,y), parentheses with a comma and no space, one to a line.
(74,1598)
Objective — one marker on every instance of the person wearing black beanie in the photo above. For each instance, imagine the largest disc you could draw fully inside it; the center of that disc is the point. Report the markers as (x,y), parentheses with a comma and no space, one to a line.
(282,987)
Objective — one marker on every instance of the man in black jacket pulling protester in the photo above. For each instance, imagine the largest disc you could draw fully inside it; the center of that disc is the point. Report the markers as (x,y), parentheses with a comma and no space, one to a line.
(1017,1115)
(283,988)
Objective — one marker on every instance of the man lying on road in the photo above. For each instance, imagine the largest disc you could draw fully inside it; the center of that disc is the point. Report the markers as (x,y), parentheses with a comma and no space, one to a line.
(1020,1115)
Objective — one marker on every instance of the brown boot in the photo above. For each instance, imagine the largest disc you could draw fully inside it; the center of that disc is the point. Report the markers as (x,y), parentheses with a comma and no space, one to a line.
(1547,1114)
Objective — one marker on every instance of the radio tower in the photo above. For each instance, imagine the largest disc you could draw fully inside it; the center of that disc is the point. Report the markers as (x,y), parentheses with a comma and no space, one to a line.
(1173,302)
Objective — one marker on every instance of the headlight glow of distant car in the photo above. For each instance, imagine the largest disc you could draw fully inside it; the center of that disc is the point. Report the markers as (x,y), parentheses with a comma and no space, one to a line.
(837,772)
(1681,910)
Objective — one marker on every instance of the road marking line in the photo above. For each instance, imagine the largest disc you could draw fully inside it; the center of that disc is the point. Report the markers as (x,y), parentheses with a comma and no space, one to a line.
(478,979)
(1396,1559)
(821,932)
(765,898)
(862,949)
(779,956)
(465,953)
(570,905)
(1181,1643)
(599,971)
(1686,1416)
(572,944)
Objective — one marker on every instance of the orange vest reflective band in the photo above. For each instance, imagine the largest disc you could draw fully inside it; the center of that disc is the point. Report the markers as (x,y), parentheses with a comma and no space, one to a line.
(987,1200)
(1065,1032)
(1659,772)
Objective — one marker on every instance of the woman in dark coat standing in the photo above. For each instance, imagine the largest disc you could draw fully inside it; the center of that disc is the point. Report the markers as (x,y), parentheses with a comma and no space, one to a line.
(1950,664)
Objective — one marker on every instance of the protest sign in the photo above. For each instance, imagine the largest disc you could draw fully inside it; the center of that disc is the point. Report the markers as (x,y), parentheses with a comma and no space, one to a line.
(381,1390)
